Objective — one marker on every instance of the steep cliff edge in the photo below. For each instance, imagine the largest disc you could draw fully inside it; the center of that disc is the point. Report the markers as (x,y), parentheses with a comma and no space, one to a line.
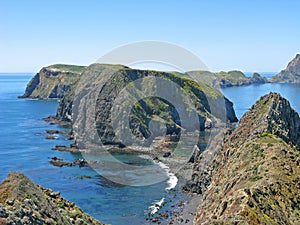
(211,106)
(291,74)
(23,202)
(253,178)
(53,82)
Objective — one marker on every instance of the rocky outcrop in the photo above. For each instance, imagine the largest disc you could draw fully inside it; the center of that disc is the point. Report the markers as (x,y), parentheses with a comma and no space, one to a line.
(23,202)
(228,79)
(291,74)
(258,79)
(149,115)
(254,176)
(53,82)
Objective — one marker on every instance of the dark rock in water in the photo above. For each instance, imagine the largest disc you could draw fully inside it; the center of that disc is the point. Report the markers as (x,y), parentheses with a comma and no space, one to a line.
(77,162)
(60,163)
(53,132)
(53,120)
(56,159)
(250,179)
(23,202)
(291,74)
(84,177)
(167,154)
(65,148)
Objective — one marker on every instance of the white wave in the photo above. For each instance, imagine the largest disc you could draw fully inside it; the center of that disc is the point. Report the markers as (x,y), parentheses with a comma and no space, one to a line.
(156,206)
(173,180)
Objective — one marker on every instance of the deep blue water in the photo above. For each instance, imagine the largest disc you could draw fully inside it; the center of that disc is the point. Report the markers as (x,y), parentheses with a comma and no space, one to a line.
(245,96)
(23,148)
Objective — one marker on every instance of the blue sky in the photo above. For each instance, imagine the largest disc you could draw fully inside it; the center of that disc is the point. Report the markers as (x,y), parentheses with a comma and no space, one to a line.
(225,35)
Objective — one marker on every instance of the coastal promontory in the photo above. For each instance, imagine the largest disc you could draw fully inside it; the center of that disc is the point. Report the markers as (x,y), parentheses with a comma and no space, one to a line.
(253,178)
(52,82)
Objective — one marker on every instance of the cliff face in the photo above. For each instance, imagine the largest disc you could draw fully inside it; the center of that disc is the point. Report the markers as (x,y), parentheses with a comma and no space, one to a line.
(228,79)
(291,74)
(210,104)
(23,202)
(53,82)
(253,178)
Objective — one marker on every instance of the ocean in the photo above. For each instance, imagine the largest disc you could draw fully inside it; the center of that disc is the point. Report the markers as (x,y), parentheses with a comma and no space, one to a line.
(245,96)
(24,148)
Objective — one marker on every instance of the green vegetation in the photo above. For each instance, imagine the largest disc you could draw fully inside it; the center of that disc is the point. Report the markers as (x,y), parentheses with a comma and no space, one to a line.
(255,178)
(69,68)
(231,78)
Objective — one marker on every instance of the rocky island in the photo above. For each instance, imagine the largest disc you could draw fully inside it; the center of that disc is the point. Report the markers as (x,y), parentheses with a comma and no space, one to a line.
(228,79)
(291,74)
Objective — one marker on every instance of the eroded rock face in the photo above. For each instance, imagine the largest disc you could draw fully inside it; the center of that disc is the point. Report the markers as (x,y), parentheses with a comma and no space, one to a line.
(278,118)
(149,115)
(53,82)
(291,74)
(254,178)
(23,202)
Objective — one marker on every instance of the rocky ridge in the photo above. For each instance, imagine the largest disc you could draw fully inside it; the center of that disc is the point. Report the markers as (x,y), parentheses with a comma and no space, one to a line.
(253,176)
(23,202)
(291,74)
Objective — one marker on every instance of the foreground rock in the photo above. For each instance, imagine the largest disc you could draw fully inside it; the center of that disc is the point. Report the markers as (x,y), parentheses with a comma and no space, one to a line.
(23,202)
(254,177)
(291,74)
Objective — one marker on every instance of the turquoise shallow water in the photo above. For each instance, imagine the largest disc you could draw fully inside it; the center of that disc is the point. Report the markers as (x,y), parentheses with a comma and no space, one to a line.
(23,147)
